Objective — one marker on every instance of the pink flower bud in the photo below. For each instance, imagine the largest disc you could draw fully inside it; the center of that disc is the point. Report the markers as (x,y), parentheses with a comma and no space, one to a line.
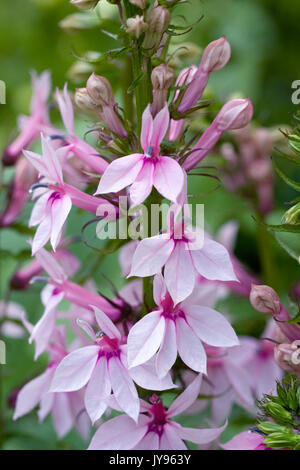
(84,4)
(234,114)
(139,3)
(287,356)
(100,90)
(162,78)
(84,101)
(136,26)
(216,55)
(265,300)
(158,19)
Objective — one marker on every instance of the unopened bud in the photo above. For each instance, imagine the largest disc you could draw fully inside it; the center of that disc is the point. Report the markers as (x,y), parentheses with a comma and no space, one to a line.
(235,114)
(84,4)
(158,20)
(292,215)
(287,356)
(100,90)
(162,77)
(139,3)
(83,100)
(265,300)
(136,26)
(216,55)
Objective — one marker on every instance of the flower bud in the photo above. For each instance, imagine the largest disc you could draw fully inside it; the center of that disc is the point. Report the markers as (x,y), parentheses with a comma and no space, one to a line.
(158,20)
(235,114)
(100,90)
(292,215)
(139,3)
(162,77)
(265,300)
(84,4)
(136,26)
(287,356)
(83,100)
(215,55)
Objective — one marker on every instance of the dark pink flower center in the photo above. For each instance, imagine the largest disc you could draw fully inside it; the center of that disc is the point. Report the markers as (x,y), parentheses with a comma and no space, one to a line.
(109,347)
(159,418)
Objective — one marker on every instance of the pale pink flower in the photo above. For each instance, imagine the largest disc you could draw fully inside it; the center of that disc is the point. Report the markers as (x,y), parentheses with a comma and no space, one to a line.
(13,313)
(56,197)
(155,428)
(177,328)
(76,146)
(177,251)
(246,440)
(38,121)
(65,408)
(103,368)
(143,171)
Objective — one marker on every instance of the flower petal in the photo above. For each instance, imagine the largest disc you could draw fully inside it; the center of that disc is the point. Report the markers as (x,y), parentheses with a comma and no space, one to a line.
(168,178)
(167,353)
(98,389)
(59,212)
(123,388)
(142,186)
(200,436)
(120,173)
(160,127)
(150,256)
(190,348)
(170,439)
(187,398)
(180,273)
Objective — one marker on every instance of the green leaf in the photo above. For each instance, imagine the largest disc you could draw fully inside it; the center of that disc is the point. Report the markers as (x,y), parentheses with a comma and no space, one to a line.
(135,83)
(287,179)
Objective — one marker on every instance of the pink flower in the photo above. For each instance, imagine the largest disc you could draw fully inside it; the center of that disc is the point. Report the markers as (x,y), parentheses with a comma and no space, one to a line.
(56,197)
(31,126)
(81,149)
(235,114)
(103,368)
(143,171)
(177,251)
(179,328)
(246,440)
(154,429)
(66,409)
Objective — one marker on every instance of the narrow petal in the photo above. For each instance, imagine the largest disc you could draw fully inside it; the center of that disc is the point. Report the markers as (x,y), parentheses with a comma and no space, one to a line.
(246,440)
(160,127)
(145,338)
(59,212)
(210,326)
(150,256)
(146,377)
(147,128)
(213,262)
(200,436)
(106,324)
(63,418)
(123,388)
(159,288)
(168,351)
(142,186)
(149,442)
(75,370)
(66,109)
(42,235)
(51,160)
(190,348)
(120,433)
(168,178)
(97,391)
(170,439)
(180,273)
(30,395)
(241,383)
(186,398)
(39,210)
(120,173)
(50,265)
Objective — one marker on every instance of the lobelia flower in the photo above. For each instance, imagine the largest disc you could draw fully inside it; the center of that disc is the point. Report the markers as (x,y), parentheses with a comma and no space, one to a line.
(246,440)
(235,114)
(103,368)
(65,408)
(13,313)
(181,328)
(143,171)
(56,197)
(184,255)
(38,121)
(154,429)
(184,78)
(215,57)
(76,146)
(162,78)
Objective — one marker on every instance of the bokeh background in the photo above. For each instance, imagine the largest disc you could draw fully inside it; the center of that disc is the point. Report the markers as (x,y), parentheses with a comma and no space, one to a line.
(264,36)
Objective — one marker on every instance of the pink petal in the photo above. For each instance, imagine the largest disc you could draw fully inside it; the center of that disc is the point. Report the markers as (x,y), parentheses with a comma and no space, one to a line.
(145,376)
(42,235)
(151,254)
(213,262)
(168,178)
(159,288)
(189,347)
(210,326)
(123,388)
(186,399)
(147,128)
(228,233)
(37,162)
(105,324)
(120,173)
(50,265)
(97,391)
(62,415)
(170,439)
(30,395)
(46,404)
(142,186)
(66,109)
(246,440)
(120,433)
(149,442)
(180,273)
(167,353)
(75,369)
(160,127)
(201,436)
(86,327)
(39,210)
(51,160)
(59,212)
(145,338)
(241,383)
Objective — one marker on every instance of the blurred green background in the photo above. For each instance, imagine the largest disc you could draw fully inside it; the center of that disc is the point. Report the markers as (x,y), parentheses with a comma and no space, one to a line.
(264,36)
